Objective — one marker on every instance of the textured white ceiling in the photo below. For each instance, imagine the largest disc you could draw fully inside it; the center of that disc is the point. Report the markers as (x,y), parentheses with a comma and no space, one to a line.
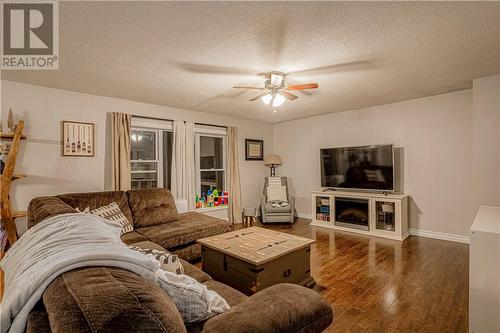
(369,53)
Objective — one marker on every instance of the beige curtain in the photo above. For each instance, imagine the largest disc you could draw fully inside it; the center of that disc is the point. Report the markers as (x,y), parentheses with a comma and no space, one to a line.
(183,166)
(234,188)
(120,151)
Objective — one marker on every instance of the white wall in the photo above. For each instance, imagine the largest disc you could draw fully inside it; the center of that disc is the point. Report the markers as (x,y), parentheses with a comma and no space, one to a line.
(436,137)
(450,146)
(43,109)
(486,124)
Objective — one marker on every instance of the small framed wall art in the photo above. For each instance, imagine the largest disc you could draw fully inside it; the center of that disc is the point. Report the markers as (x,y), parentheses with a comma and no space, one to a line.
(254,150)
(77,139)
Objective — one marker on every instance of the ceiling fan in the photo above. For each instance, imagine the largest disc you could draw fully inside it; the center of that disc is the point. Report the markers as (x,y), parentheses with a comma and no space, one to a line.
(276,90)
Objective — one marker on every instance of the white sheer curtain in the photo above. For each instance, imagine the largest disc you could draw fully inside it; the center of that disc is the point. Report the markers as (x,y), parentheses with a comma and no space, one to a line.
(234,188)
(183,166)
(120,151)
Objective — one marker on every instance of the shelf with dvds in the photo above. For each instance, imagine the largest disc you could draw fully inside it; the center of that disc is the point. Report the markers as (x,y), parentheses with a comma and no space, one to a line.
(322,208)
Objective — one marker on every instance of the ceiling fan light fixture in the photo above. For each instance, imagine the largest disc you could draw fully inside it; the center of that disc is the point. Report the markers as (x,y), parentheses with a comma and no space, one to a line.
(276,80)
(278,100)
(267,99)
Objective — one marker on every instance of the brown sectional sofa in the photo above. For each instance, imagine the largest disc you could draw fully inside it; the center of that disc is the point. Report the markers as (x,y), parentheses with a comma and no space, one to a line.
(105,299)
(152,212)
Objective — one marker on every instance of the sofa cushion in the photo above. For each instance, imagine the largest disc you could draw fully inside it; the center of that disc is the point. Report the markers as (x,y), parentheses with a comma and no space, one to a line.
(190,252)
(231,295)
(188,228)
(95,200)
(146,244)
(44,207)
(195,272)
(101,299)
(133,237)
(38,320)
(280,308)
(152,206)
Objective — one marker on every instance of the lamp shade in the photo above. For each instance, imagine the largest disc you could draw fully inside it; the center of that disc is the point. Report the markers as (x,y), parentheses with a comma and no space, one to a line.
(272,159)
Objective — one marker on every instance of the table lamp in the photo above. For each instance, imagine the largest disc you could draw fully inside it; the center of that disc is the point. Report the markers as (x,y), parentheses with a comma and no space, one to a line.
(273,160)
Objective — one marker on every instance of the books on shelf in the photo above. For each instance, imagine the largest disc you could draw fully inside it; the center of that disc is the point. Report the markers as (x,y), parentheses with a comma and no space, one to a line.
(324,209)
(323,216)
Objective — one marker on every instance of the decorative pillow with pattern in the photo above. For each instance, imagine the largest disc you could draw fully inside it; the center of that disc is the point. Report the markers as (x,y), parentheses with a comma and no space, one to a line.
(168,261)
(113,213)
(193,299)
(278,203)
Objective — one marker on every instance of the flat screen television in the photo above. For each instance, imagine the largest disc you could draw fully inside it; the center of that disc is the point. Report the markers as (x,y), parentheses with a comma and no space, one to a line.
(360,168)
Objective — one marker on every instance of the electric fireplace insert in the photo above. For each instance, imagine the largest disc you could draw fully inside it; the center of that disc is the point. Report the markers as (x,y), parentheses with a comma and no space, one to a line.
(352,213)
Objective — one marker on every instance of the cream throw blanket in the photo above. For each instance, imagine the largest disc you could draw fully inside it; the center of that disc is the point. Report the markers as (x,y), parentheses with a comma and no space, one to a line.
(68,241)
(57,245)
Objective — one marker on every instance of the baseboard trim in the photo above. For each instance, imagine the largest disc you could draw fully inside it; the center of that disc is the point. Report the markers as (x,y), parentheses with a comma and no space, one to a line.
(304,216)
(421,233)
(439,235)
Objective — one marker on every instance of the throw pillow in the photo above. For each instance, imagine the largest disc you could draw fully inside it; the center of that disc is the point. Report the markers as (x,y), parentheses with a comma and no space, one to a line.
(168,261)
(113,213)
(193,299)
(276,193)
(278,203)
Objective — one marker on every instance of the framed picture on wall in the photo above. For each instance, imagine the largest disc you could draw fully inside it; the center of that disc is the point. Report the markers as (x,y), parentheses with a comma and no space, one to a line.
(254,150)
(77,139)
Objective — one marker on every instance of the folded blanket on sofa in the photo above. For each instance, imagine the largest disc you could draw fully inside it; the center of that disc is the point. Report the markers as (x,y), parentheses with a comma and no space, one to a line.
(57,245)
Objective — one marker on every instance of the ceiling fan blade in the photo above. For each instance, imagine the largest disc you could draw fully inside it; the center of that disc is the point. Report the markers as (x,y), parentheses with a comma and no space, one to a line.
(346,66)
(305,92)
(288,95)
(257,88)
(218,70)
(303,86)
(257,97)
(230,94)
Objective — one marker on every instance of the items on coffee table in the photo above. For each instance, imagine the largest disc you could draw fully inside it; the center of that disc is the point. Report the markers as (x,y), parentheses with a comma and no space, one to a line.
(254,258)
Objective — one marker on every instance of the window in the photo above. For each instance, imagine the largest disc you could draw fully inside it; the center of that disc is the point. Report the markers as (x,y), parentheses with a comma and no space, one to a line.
(210,162)
(151,154)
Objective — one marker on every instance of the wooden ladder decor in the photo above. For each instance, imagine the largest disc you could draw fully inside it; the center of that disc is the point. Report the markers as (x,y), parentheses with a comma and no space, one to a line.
(8,216)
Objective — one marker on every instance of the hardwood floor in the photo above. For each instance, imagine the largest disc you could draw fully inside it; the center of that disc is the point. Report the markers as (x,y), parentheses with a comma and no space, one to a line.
(379,285)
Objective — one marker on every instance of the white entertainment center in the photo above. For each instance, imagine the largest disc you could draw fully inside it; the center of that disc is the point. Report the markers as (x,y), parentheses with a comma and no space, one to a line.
(376,214)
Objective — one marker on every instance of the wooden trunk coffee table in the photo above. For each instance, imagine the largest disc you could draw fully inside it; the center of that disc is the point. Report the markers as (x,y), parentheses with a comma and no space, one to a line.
(252,259)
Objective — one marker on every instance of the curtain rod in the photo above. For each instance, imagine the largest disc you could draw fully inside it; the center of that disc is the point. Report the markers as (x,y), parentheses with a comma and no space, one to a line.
(151,118)
(165,119)
(205,124)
